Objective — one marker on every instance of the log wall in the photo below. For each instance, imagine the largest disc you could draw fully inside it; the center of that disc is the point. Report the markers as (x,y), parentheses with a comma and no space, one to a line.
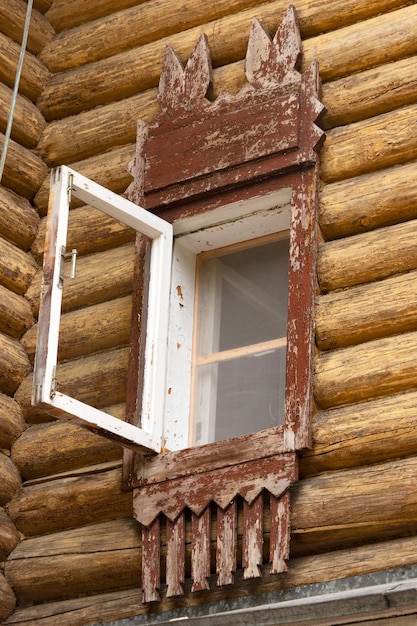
(82,92)
(23,174)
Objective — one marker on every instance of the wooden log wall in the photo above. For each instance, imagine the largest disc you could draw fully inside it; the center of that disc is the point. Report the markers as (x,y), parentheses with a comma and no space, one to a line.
(23,174)
(82,92)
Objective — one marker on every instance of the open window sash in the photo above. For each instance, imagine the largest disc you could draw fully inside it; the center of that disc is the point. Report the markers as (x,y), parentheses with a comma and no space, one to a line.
(64,184)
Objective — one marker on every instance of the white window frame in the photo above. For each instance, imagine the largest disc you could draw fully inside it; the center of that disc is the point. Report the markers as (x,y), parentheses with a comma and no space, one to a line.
(229,224)
(65,183)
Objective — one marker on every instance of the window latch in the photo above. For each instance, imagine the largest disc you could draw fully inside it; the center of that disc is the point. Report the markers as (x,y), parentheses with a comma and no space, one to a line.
(66,255)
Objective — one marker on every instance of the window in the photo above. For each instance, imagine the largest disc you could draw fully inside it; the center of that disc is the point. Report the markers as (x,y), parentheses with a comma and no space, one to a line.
(228,275)
(233,177)
(238,371)
(64,183)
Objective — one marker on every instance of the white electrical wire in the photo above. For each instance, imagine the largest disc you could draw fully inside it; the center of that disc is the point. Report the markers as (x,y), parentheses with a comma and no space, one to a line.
(16,87)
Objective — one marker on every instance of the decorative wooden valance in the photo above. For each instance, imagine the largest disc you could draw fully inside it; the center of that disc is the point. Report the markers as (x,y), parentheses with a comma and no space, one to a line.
(196,156)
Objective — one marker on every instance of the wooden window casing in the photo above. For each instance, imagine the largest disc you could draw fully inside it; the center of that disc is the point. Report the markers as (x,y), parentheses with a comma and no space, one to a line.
(195,163)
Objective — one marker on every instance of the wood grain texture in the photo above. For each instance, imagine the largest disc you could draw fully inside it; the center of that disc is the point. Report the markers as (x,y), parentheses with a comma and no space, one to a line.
(386,140)
(18,219)
(108,170)
(9,537)
(12,423)
(88,330)
(34,75)
(63,14)
(376,368)
(175,559)
(10,479)
(12,20)
(15,364)
(369,201)
(70,502)
(376,430)
(15,313)
(28,123)
(370,93)
(337,509)
(367,257)
(23,171)
(366,312)
(99,557)
(89,230)
(132,27)
(101,277)
(98,380)
(16,268)
(56,447)
(304,570)
(111,79)
(7,598)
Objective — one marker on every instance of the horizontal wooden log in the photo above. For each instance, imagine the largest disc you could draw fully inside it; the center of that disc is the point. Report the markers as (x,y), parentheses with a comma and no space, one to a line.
(16,269)
(92,329)
(28,123)
(339,508)
(15,313)
(370,201)
(23,171)
(138,25)
(367,257)
(7,598)
(89,230)
(12,423)
(15,364)
(132,27)
(60,141)
(12,21)
(9,536)
(18,219)
(10,479)
(61,144)
(34,74)
(370,93)
(109,170)
(336,51)
(98,380)
(302,571)
(329,507)
(373,369)
(95,567)
(111,79)
(62,15)
(68,502)
(376,430)
(386,140)
(101,277)
(367,312)
(56,447)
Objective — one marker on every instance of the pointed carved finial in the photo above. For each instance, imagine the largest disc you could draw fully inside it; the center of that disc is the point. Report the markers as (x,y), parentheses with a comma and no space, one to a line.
(181,88)
(269,63)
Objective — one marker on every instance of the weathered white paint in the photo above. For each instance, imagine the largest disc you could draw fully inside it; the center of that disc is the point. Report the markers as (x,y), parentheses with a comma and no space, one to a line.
(150,433)
(227,225)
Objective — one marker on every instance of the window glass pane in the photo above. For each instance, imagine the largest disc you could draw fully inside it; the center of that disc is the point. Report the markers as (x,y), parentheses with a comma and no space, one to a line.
(243,299)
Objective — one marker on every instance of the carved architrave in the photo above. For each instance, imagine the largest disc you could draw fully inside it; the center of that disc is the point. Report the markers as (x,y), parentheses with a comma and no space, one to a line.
(195,156)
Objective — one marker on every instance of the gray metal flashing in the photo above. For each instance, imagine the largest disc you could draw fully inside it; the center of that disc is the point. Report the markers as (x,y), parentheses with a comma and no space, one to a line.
(391,593)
